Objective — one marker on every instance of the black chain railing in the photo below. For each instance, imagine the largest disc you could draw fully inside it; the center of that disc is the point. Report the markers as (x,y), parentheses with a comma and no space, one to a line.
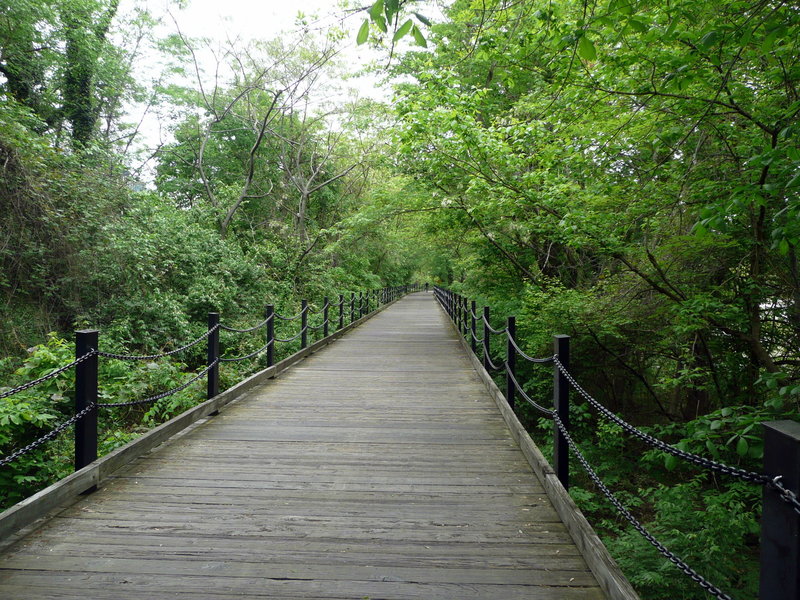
(780,519)
(87,368)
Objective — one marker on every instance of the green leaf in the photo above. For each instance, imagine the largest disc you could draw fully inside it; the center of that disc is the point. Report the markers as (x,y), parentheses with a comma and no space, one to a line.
(710,39)
(404,29)
(381,23)
(670,462)
(586,49)
(376,11)
(726,412)
(742,447)
(637,25)
(423,19)
(418,37)
(716,425)
(363,33)
(769,42)
(712,448)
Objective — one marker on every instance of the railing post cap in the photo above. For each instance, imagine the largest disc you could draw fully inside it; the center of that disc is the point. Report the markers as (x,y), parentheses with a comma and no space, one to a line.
(787,427)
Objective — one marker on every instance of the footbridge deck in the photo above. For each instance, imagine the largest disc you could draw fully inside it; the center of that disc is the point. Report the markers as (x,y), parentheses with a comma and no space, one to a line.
(379,467)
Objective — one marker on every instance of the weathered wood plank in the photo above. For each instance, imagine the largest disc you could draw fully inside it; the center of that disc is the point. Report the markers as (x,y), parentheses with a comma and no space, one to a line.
(378,468)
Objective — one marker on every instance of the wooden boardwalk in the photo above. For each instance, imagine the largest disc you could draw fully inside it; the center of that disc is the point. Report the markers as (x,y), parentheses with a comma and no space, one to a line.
(377,468)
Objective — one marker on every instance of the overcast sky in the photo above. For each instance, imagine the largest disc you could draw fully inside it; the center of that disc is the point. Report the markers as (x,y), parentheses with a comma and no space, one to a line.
(246,20)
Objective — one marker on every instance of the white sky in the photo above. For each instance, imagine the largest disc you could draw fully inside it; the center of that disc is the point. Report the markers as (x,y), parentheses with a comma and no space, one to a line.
(251,19)
(246,20)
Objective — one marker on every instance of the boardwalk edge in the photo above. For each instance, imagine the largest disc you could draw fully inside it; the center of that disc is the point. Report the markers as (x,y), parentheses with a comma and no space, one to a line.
(605,569)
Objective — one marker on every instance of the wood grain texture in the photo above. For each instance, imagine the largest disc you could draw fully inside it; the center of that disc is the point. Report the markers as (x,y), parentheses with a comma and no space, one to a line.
(378,467)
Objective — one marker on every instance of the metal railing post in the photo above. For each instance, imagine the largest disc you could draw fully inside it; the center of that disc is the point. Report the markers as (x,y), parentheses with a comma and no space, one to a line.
(325,317)
(561,406)
(486,340)
(341,311)
(473,329)
(352,306)
(780,523)
(464,316)
(85,396)
(511,361)
(270,334)
(212,354)
(303,323)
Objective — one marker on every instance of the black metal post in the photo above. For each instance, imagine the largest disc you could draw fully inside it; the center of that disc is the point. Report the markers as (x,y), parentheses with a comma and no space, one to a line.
(325,318)
(465,317)
(303,323)
(270,335)
(352,306)
(486,340)
(85,396)
(780,523)
(472,326)
(511,361)
(361,304)
(212,389)
(341,311)
(561,406)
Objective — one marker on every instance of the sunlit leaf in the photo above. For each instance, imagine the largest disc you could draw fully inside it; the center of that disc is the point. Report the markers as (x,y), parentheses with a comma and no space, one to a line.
(418,37)
(423,19)
(404,29)
(376,11)
(363,33)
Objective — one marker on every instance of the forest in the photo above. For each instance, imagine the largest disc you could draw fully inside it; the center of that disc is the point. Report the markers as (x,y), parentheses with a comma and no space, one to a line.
(626,172)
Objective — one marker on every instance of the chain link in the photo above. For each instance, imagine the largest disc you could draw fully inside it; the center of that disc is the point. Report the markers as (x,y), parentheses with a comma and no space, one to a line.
(294,318)
(531,401)
(248,329)
(493,330)
(46,437)
(656,443)
(291,339)
(673,558)
(162,394)
(785,493)
(545,360)
(55,373)
(251,355)
(155,356)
